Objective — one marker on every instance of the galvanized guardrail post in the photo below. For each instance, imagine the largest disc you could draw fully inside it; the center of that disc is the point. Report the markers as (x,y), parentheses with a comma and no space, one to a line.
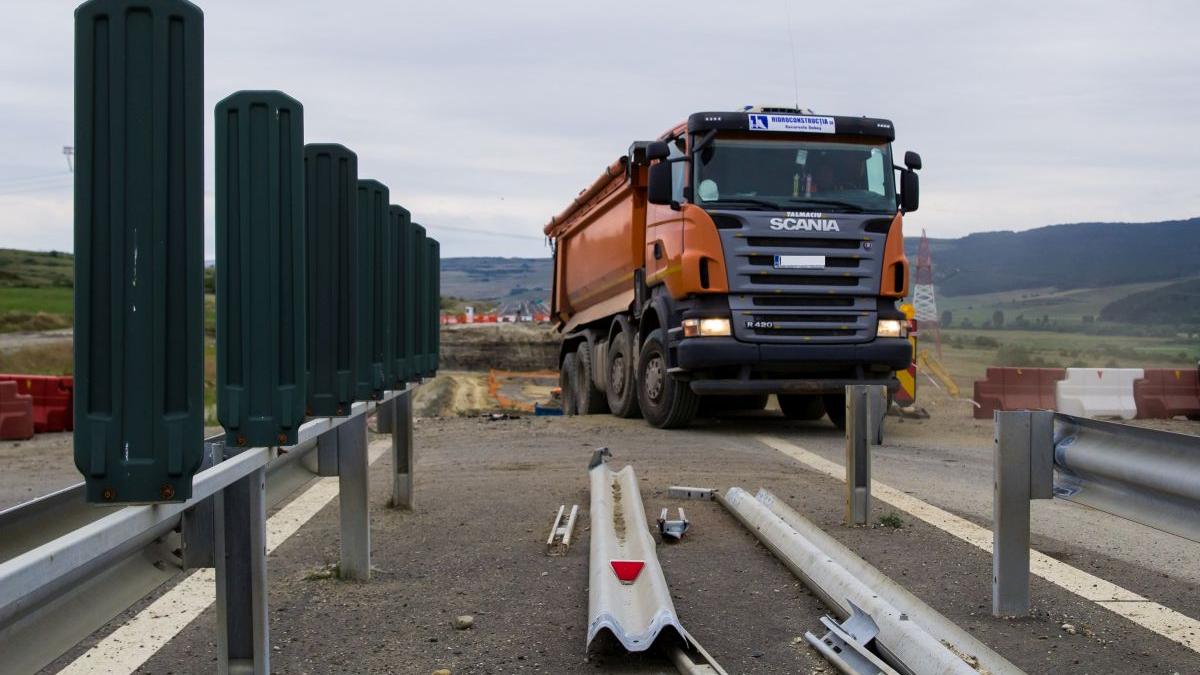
(353,499)
(402,450)
(243,627)
(863,429)
(1023,459)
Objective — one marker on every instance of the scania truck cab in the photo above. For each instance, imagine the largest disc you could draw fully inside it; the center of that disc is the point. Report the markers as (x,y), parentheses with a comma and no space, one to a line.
(741,254)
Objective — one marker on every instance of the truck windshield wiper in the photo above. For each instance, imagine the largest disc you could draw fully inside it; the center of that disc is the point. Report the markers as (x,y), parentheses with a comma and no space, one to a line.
(849,206)
(742,201)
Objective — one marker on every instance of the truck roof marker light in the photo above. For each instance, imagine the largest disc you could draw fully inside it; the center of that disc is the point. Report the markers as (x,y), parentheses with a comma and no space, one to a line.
(627,571)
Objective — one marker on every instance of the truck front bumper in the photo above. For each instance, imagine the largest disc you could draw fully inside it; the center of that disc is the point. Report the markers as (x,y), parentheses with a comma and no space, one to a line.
(874,362)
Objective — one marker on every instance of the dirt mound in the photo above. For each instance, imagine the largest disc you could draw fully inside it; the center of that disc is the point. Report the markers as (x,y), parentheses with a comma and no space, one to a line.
(503,346)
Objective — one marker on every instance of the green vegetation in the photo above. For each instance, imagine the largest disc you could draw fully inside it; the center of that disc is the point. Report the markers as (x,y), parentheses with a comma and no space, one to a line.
(892,520)
(1171,305)
(1082,255)
(35,290)
(968,353)
(1074,311)
(53,358)
(32,269)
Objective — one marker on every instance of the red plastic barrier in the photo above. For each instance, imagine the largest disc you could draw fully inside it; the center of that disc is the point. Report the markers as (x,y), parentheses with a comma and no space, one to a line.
(53,400)
(1016,389)
(16,413)
(1166,392)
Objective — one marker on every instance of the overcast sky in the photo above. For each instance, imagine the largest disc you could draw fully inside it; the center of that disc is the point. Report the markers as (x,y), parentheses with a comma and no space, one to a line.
(486,118)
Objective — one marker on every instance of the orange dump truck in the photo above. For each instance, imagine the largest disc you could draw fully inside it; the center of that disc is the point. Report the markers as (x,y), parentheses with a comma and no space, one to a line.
(742,254)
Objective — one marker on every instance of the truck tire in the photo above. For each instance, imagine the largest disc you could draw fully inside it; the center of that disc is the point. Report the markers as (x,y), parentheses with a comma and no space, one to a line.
(835,407)
(803,407)
(566,383)
(590,400)
(666,402)
(622,387)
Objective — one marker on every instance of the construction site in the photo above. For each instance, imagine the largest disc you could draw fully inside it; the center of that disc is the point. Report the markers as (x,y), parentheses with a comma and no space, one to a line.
(740,413)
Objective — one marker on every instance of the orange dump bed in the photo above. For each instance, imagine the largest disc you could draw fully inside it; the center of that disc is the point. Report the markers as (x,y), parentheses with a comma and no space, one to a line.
(599,241)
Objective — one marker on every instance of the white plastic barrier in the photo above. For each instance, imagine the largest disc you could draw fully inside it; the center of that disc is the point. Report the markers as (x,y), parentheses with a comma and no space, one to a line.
(1098,392)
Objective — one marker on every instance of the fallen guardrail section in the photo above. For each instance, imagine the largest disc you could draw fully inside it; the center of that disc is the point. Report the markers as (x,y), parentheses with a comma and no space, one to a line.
(627,592)
(885,622)
(68,567)
(1145,476)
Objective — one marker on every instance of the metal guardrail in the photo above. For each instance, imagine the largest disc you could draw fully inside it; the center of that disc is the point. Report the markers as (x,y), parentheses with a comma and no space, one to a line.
(1146,476)
(67,567)
(912,637)
(628,594)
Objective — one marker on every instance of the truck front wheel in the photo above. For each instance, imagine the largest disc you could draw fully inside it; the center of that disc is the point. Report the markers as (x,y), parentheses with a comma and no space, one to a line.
(805,407)
(666,402)
(835,407)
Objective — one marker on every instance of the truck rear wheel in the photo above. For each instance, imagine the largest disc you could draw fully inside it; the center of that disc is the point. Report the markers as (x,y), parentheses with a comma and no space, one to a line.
(666,402)
(590,400)
(622,388)
(803,407)
(835,407)
(566,383)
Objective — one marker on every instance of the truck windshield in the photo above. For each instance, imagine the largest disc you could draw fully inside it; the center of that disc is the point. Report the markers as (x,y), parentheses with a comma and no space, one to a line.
(826,176)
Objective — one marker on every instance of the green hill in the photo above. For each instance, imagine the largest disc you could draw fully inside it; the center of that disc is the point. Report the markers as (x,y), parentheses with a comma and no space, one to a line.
(1064,257)
(1175,304)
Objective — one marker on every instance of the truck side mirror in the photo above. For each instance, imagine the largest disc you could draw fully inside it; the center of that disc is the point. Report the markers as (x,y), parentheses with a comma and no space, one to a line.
(912,160)
(643,152)
(910,189)
(658,188)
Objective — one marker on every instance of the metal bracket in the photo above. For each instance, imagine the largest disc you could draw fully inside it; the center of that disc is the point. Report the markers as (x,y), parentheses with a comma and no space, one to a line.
(197,528)
(559,541)
(847,645)
(673,529)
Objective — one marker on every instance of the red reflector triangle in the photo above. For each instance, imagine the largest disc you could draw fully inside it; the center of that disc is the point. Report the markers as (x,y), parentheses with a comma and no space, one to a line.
(627,571)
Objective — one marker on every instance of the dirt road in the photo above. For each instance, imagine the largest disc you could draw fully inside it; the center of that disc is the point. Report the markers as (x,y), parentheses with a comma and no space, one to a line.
(488,490)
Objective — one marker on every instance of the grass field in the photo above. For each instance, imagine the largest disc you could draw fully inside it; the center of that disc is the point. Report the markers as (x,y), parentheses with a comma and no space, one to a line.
(34,309)
(968,353)
(1063,307)
(33,269)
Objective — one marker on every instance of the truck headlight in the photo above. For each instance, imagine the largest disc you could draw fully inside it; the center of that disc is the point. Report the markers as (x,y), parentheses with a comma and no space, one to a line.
(892,328)
(705,327)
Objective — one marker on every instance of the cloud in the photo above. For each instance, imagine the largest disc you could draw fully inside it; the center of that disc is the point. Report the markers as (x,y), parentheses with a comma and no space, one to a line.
(492,116)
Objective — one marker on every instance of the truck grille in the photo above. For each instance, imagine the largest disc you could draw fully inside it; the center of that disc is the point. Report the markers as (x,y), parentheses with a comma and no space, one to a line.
(801,280)
(801,301)
(833,304)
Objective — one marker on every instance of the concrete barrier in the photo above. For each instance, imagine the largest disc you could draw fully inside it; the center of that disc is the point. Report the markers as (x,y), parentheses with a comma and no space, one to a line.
(1168,392)
(1016,389)
(16,413)
(1098,392)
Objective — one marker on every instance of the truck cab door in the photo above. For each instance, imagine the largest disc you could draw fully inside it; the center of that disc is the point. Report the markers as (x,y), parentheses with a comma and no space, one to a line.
(664,225)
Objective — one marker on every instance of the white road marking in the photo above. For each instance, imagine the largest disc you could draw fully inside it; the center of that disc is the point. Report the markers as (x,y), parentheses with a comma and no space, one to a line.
(128,647)
(1141,611)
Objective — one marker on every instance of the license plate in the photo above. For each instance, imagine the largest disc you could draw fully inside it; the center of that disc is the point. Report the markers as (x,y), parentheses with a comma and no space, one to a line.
(799,262)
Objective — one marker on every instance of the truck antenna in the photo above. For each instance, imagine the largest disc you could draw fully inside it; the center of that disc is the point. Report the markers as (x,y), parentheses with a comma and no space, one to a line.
(787,8)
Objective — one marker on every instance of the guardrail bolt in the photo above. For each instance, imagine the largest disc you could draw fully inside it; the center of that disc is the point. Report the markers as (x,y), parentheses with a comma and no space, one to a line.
(109,494)
(167,491)
(282,438)
(241,440)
